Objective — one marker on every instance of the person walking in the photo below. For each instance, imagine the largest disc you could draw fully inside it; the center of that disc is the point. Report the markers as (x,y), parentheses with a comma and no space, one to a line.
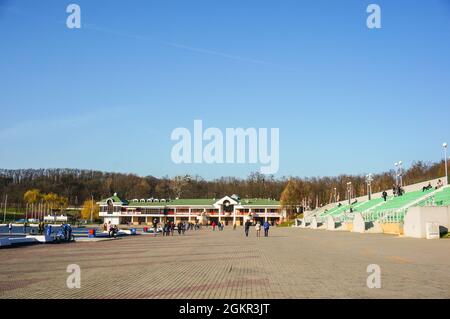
(247,225)
(266,228)
(172,227)
(10,228)
(385,195)
(213,225)
(111,231)
(258,229)
(399,191)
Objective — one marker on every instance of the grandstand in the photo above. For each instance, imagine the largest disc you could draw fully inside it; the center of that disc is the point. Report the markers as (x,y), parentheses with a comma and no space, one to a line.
(439,199)
(377,212)
(397,204)
(336,211)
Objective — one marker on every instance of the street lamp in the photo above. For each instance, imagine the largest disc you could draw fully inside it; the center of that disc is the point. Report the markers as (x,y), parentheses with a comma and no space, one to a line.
(396,173)
(92,206)
(4,212)
(369,180)
(349,191)
(445,161)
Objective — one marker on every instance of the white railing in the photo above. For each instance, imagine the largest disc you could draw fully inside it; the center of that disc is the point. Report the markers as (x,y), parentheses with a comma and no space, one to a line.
(385,216)
(429,202)
(396,216)
(370,215)
(320,220)
(345,217)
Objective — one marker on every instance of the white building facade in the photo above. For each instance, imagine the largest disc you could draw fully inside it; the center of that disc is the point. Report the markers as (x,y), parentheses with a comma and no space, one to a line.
(229,210)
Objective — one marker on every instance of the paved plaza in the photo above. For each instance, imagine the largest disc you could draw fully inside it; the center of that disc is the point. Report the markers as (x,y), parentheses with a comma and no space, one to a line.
(291,263)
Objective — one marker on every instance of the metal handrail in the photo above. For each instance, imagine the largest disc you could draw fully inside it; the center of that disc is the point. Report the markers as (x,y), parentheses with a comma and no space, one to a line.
(385,216)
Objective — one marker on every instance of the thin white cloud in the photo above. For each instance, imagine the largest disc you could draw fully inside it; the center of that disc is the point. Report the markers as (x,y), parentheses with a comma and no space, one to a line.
(45,126)
(90,26)
(217,53)
(177,45)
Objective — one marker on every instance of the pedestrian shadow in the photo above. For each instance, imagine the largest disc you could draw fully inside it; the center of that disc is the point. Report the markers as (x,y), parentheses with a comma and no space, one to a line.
(270,236)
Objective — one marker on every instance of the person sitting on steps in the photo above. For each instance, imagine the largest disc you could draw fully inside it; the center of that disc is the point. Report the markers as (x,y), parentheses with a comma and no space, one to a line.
(426,188)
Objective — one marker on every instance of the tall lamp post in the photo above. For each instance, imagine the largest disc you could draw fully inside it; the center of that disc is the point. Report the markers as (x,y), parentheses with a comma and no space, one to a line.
(92,206)
(4,213)
(396,173)
(349,191)
(369,180)
(445,145)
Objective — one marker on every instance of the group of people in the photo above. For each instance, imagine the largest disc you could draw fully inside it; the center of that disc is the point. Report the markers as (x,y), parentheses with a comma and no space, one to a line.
(111,229)
(219,225)
(398,190)
(169,228)
(428,187)
(258,226)
(64,233)
(41,227)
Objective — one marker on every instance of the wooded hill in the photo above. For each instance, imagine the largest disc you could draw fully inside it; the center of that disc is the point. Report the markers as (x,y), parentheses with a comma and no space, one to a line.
(79,185)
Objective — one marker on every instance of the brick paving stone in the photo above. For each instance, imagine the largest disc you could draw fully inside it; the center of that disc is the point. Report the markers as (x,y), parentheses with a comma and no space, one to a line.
(291,263)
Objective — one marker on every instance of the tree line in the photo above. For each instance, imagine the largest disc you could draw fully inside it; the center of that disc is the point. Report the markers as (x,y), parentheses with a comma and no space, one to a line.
(77,185)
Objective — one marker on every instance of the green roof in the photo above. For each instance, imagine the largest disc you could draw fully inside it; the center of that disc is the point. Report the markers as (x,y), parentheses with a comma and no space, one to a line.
(258,201)
(176,202)
(192,202)
(115,199)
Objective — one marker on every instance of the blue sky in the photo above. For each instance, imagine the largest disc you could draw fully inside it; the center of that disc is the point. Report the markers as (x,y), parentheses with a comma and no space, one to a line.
(346,99)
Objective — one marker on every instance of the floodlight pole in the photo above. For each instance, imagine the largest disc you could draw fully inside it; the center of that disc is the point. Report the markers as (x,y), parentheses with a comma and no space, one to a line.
(396,173)
(369,180)
(445,145)
(401,173)
(349,191)
(4,212)
(92,206)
